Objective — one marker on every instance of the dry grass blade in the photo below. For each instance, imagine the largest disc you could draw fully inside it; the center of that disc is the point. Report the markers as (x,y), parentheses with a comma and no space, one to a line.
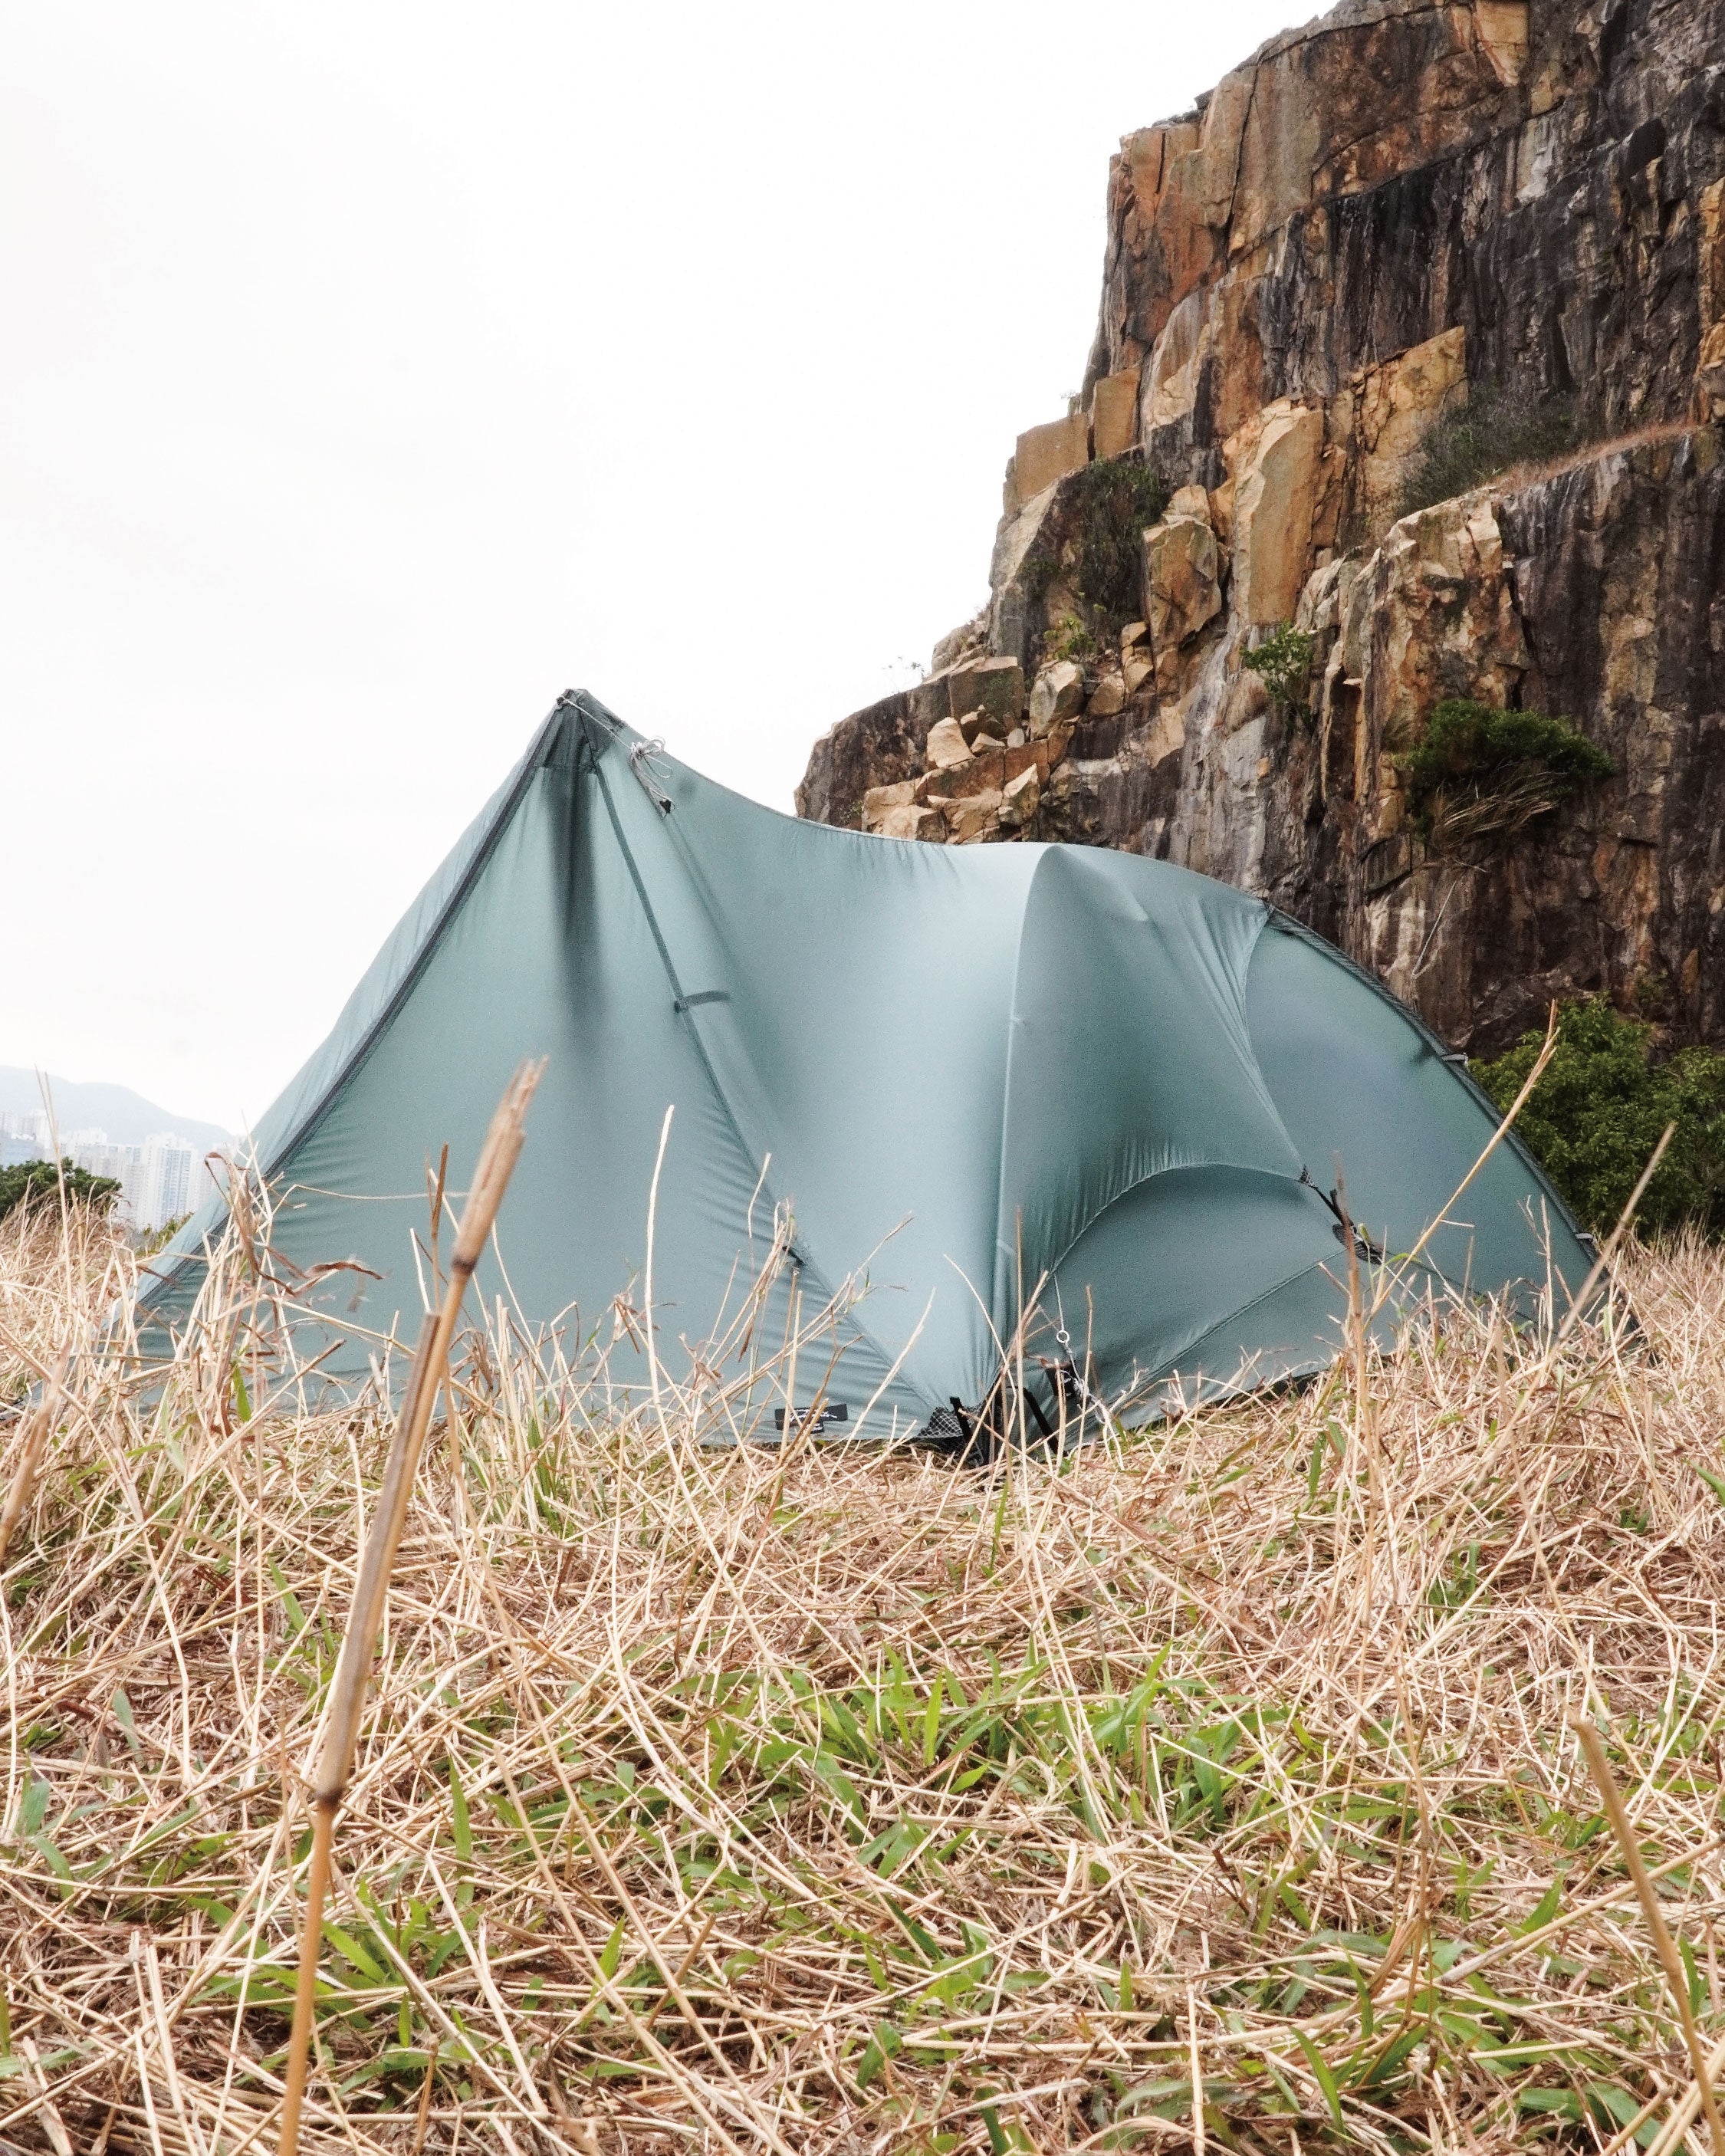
(1623,1829)
(1612,1241)
(1215,1778)
(496,1163)
(37,1423)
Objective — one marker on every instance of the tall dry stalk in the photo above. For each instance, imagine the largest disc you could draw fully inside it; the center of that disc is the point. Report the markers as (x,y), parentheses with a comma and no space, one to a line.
(1404,1266)
(1669,1959)
(496,1163)
(37,1425)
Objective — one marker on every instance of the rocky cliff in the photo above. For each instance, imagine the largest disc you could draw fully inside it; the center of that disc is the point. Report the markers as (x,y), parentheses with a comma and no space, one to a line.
(1406,211)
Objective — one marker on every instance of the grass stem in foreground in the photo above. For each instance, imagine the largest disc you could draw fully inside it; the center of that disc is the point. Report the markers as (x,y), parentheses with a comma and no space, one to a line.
(497,1159)
(1663,1945)
(35,1441)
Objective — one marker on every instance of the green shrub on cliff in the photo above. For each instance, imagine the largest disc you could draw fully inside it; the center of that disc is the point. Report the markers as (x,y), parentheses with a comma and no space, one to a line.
(1479,770)
(1068,638)
(1596,1116)
(1284,663)
(1494,430)
(32,1180)
(1117,498)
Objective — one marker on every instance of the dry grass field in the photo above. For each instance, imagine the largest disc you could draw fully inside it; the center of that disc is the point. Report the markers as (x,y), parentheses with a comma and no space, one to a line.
(1209,1787)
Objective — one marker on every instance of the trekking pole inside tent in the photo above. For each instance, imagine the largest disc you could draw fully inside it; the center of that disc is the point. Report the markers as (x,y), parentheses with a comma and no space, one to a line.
(497,1159)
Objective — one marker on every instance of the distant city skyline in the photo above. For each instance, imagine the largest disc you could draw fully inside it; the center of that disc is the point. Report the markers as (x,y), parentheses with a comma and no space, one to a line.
(72,1105)
(160,1179)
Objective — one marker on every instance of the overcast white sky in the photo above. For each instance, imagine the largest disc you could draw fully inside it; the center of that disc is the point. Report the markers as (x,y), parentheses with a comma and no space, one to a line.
(372,372)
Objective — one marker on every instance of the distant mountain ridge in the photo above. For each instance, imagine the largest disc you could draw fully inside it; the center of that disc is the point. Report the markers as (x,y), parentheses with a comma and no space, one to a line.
(126,1117)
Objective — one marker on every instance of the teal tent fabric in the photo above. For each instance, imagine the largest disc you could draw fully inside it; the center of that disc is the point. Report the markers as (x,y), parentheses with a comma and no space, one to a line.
(960,1072)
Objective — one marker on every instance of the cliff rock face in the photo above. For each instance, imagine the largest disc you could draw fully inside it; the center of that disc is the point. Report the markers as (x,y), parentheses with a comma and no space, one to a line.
(1406,206)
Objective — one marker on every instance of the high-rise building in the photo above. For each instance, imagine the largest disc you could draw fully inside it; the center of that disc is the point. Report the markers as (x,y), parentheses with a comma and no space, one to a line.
(169,1180)
(28,1126)
(160,1181)
(125,1163)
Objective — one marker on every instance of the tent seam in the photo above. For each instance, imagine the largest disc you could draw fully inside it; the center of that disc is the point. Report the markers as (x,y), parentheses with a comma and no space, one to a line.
(1301,1272)
(1012,1025)
(1189,1167)
(807,1262)
(1260,1086)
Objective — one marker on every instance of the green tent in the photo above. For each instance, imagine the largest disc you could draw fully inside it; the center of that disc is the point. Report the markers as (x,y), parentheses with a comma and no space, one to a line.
(957,1072)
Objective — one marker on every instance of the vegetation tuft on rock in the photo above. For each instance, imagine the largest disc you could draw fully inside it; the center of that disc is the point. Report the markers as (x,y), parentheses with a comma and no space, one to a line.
(1116,499)
(1493,431)
(1068,638)
(1479,770)
(1602,1107)
(1039,573)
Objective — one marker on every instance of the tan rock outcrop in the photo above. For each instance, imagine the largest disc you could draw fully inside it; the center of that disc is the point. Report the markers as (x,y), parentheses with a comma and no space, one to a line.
(1710,376)
(1056,694)
(910,821)
(1114,413)
(1387,410)
(1020,799)
(1183,586)
(1044,454)
(1274,464)
(1166,736)
(1502,27)
(1709,400)
(947,745)
(1332,110)
(976,774)
(1433,614)
(879,802)
(992,688)
(975,818)
(1380,212)
(1169,377)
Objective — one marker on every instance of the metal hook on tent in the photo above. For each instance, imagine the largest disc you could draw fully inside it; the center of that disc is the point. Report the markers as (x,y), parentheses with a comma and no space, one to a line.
(1061,1334)
(641,759)
(1066,1373)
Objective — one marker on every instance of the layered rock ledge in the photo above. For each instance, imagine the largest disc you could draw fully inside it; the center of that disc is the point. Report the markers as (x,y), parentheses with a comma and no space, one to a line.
(1406,205)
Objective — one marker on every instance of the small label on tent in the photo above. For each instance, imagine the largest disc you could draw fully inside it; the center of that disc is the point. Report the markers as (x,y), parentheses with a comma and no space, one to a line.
(815,1419)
